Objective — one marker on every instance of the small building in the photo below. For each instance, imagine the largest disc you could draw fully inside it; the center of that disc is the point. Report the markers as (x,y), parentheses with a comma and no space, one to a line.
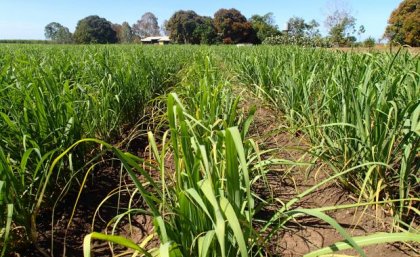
(156,40)
(164,40)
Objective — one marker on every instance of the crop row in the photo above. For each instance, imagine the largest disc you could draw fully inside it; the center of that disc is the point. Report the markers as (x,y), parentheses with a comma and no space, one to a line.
(52,96)
(359,110)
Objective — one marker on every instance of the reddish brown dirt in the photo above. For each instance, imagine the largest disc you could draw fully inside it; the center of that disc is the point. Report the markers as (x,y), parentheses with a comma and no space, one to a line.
(65,236)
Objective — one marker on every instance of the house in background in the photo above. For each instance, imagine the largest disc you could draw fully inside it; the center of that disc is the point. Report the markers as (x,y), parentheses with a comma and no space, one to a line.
(156,40)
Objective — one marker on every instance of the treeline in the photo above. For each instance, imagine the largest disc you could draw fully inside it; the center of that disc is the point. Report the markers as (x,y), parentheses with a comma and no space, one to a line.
(230,26)
(227,26)
(24,41)
(97,30)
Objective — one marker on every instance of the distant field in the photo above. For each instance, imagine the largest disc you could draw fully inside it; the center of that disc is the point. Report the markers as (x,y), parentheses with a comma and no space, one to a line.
(21,41)
(380,48)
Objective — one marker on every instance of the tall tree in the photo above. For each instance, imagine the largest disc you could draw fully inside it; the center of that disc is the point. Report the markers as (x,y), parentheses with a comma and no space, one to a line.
(187,27)
(58,33)
(341,24)
(164,28)
(404,24)
(127,34)
(234,27)
(264,26)
(124,32)
(312,29)
(147,26)
(361,31)
(299,27)
(181,27)
(117,28)
(205,32)
(296,26)
(94,29)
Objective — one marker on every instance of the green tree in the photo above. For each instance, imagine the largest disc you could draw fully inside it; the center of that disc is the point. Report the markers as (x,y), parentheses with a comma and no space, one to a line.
(126,34)
(264,26)
(187,27)
(298,27)
(147,26)
(299,32)
(369,42)
(341,26)
(58,33)
(181,27)
(94,29)
(164,28)
(404,24)
(233,27)
(117,28)
(205,31)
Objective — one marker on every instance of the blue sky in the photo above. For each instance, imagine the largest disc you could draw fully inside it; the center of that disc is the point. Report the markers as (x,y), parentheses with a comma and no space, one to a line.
(26,19)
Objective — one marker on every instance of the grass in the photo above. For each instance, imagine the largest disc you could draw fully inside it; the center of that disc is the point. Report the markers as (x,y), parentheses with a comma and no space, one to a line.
(52,96)
(359,110)
(206,206)
(204,212)
(355,108)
